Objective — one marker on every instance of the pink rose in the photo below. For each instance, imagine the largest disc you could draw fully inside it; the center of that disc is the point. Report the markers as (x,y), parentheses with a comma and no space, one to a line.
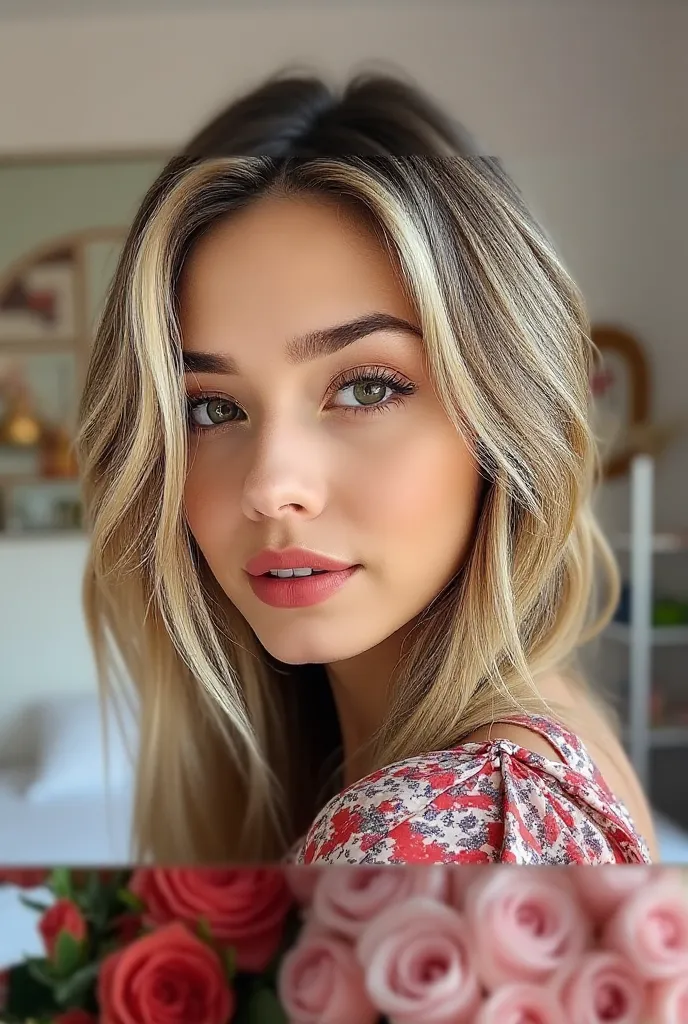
(418,963)
(650,929)
(527,926)
(347,898)
(602,989)
(521,1004)
(604,888)
(321,982)
(244,907)
(668,1001)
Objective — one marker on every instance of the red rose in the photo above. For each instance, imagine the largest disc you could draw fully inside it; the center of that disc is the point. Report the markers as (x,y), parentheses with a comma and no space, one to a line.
(244,909)
(166,976)
(127,927)
(4,989)
(63,916)
(25,878)
(75,1017)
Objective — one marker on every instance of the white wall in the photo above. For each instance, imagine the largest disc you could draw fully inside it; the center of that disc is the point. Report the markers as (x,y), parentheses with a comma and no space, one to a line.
(586,102)
(532,76)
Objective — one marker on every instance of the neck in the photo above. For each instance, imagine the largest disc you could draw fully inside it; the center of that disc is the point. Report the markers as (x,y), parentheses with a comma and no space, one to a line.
(360,688)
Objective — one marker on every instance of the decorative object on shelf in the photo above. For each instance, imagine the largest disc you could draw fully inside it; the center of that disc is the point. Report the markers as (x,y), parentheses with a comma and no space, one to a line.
(620,384)
(667,611)
(643,624)
(64,221)
(44,345)
(38,302)
(51,505)
(654,438)
(58,459)
(18,424)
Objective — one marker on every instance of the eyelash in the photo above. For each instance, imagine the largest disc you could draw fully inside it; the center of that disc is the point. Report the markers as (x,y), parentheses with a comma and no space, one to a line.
(401,387)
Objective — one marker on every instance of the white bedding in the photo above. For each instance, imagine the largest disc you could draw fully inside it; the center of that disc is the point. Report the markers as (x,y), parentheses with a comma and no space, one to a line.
(85,829)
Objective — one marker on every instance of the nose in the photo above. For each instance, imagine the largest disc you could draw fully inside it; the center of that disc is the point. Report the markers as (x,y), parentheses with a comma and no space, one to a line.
(285,478)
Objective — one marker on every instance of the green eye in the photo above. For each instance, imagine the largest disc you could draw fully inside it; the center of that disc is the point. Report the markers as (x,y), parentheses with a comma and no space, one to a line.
(369,392)
(372,387)
(212,412)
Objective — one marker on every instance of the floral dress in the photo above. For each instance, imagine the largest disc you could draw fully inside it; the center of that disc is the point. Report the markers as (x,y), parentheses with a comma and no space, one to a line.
(477,803)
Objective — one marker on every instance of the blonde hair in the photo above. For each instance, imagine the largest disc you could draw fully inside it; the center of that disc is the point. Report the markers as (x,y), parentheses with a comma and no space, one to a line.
(229,755)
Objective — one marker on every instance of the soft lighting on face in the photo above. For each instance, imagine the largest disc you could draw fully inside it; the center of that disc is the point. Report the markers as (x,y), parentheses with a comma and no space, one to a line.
(313,425)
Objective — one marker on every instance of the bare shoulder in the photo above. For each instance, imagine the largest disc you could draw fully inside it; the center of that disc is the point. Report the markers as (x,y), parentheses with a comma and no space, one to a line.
(553,687)
(518,734)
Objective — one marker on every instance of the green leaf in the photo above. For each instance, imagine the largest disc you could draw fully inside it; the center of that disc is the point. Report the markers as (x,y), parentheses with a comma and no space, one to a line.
(74,991)
(94,886)
(69,954)
(228,956)
(34,904)
(42,971)
(60,883)
(96,909)
(27,996)
(120,880)
(108,946)
(265,1008)
(129,899)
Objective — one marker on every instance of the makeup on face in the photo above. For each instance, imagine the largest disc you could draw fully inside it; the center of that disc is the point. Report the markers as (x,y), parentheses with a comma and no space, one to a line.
(330,494)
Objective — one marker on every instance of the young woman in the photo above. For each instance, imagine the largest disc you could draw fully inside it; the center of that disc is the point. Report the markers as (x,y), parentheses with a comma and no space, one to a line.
(338,469)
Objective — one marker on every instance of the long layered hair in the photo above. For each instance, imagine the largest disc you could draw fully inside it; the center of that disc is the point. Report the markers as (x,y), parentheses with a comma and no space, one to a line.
(233,745)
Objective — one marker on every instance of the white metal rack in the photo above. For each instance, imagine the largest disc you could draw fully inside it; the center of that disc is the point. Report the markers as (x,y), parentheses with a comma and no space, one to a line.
(639,635)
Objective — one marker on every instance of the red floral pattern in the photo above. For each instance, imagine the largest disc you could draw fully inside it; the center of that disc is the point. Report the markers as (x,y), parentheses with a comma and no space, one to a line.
(477,803)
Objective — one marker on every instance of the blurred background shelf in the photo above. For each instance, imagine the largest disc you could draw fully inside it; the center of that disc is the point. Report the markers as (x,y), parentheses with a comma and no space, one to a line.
(667,736)
(660,636)
(640,636)
(662,543)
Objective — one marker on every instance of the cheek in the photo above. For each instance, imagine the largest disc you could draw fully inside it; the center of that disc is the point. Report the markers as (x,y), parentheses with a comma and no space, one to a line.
(211,498)
(426,487)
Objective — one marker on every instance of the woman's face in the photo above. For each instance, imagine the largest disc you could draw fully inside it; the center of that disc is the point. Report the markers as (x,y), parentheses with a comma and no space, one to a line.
(313,426)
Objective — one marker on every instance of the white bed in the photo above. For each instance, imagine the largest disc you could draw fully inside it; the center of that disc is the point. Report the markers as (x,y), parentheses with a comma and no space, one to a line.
(89,829)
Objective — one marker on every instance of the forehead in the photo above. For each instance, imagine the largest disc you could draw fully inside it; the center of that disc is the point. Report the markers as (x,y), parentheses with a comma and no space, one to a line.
(282,267)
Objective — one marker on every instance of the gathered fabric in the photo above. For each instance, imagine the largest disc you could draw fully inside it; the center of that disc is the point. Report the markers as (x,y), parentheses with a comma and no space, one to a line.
(480,802)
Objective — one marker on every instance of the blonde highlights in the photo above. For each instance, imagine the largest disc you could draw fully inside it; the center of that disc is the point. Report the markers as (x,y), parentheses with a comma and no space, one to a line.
(228,761)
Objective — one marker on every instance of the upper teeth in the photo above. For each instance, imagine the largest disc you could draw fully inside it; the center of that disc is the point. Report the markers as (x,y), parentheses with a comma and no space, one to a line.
(285,573)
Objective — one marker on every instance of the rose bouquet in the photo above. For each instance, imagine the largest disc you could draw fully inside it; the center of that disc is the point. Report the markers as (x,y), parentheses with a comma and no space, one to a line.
(355,945)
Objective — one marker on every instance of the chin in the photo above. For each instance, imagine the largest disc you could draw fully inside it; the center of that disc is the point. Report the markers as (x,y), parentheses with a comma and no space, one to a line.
(296,646)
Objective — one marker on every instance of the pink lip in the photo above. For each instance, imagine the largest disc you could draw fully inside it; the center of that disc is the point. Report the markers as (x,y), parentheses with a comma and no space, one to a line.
(296,591)
(293,558)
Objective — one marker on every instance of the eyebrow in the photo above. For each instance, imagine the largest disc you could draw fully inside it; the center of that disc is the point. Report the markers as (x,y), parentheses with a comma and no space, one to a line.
(306,347)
